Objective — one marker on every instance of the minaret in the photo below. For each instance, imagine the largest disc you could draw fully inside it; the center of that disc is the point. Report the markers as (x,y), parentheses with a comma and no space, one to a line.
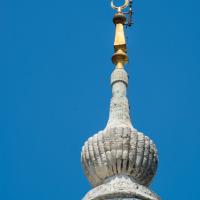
(119,161)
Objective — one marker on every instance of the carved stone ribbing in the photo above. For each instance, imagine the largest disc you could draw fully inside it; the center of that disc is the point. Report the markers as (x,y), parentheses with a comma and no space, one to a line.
(119,151)
(119,161)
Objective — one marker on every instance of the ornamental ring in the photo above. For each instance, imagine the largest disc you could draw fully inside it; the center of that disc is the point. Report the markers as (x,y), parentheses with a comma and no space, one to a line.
(119,8)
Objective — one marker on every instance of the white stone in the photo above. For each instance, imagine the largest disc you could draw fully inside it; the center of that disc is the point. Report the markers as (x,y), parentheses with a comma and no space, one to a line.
(119,161)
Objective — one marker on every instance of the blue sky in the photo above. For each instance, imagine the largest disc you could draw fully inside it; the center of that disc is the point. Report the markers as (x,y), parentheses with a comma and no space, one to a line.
(55,65)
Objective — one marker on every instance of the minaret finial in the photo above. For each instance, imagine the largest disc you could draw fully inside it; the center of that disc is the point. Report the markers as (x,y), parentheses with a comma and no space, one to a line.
(120,57)
(119,161)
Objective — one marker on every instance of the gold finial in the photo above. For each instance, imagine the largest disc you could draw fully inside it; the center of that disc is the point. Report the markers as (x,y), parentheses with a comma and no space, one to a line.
(120,57)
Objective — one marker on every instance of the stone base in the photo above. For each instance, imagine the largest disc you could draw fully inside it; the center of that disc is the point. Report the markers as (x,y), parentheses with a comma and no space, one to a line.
(120,187)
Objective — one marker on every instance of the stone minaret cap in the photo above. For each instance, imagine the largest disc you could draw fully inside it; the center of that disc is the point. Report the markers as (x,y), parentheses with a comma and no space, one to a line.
(119,161)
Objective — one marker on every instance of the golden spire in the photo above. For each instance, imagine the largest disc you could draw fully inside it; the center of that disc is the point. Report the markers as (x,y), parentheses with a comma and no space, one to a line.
(120,57)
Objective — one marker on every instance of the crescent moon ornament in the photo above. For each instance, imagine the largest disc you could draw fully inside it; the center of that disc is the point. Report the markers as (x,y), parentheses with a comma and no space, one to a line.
(119,8)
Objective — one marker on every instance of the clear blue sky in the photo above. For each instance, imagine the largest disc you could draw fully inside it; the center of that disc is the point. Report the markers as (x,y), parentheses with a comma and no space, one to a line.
(54,85)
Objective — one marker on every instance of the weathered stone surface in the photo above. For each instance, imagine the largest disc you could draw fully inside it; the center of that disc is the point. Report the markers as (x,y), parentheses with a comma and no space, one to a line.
(119,106)
(119,161)
(120,187)
(119,151)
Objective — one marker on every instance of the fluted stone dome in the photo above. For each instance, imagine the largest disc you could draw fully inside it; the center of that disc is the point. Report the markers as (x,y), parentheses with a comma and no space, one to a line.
(119,161)
(119,151)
